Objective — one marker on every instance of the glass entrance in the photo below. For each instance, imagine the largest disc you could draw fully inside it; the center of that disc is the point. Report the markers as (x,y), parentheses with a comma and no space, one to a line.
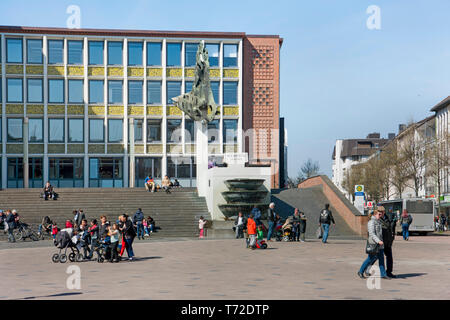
(106,172)
(15,173)
(66,172)
(183,169)
(147,167)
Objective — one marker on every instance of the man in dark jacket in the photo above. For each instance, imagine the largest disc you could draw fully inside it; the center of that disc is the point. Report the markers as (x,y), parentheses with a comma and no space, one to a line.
(271,217)
(325,219)
(78,217)
(138,219)
(11,221)
(129,233)
(240,224)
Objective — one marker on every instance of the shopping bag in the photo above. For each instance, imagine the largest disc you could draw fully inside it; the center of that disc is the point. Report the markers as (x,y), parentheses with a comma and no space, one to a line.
(319,233)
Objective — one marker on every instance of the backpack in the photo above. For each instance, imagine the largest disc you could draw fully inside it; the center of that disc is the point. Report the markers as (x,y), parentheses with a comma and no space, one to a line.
(324,216)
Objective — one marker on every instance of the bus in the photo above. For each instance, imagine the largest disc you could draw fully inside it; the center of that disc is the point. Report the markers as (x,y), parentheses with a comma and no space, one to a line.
(421,210)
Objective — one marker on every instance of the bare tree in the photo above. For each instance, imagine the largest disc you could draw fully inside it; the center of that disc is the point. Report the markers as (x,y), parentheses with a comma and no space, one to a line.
(412,153)
(309,169)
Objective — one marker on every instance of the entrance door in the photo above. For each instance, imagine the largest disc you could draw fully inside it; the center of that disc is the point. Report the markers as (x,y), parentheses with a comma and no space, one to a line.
(15,173)
(147,167)
(106,172)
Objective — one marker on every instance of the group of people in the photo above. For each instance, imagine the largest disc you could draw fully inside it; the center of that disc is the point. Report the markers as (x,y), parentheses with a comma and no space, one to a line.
(381,230)
(441,222)
(9,220)
(253,229)
(166,184)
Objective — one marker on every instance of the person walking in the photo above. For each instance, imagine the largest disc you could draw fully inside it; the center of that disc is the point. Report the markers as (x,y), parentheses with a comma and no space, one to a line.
(138,219)
(302,227)
(257,215)
(442,221)
(375,231)
(296,225)
(251,229)
(405,221)
(128,233)
(11,222)
(393,219)
(271,217)
(201,226)
(94,235)
(78,217)
(326,217)
(239,225)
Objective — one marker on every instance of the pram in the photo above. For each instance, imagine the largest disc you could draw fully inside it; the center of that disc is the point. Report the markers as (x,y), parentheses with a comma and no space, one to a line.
(64,241)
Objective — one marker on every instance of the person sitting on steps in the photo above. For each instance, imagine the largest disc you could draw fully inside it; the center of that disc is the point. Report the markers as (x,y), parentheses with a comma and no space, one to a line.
(49,192)
(150,184)
(166,184)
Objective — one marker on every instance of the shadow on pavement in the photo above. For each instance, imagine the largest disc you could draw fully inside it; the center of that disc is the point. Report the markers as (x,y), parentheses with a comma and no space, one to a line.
(147,258)
(410,275)
(55,295)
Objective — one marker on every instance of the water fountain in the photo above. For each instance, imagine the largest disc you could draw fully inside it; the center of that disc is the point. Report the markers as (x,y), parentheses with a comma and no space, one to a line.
(243,195)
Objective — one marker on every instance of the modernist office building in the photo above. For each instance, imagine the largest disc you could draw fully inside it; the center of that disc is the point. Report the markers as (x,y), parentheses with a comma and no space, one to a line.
(79,88)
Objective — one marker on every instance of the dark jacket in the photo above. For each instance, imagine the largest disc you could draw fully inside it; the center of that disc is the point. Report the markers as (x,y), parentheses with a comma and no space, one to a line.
(78,218)
(298,222)
(326,217)
(388,234)
(11,221)
(103,229)
(244,222)
(256,213)
(138,217)
(271,215)
(94,230)
(129,232)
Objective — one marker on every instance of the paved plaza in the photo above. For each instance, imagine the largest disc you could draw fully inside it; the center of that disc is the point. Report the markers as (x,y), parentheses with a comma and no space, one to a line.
(225,269)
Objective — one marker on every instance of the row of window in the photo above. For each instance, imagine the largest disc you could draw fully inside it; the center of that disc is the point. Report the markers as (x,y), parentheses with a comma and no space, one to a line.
(14,53)
(103,172)
(115,130)
(35,89)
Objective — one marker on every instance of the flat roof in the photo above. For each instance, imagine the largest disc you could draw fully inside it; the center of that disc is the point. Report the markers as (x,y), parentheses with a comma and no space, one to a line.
(441,104)
(130,32)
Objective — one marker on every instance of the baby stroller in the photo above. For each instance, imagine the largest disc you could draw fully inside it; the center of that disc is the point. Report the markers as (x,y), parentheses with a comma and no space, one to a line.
(279,233)
(64,242)
(287,234)
(103,250)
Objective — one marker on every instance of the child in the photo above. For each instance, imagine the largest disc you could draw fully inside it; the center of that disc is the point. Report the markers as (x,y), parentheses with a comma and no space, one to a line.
(251,230)
(260,232)
(201,226)
(69,224)
(54,230)
(114,232)
(145,224)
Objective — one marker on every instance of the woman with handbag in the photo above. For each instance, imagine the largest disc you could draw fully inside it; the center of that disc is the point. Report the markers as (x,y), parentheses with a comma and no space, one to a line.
(374,246)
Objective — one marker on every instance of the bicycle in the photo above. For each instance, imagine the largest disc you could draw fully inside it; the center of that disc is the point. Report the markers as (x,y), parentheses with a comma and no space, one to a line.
(23,232)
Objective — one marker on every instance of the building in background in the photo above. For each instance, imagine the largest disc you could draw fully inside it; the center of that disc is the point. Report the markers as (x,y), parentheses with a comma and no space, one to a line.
(283,155)
(349,152)
(80,87)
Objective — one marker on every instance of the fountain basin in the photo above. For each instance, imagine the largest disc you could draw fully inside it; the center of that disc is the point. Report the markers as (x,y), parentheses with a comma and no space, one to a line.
(232,209)
(244,184)
(250,196)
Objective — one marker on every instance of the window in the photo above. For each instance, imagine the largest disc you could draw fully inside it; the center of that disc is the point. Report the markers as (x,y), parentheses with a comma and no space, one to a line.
(76,91)
(153,92)
(154,53)
(138,130)
(75,52)
(189,133)
(215,87)
(174,130)
(34,90)
(188,86)
(115,130)
(190,53)
(106,172)
(213,131)
(135,53)
(66,172)
(14,51)
(96,130)
(230,93)
(96,91)
(213,54)
(173,90)
(76,130)
(55,51)
(56,130)
(15,130)
(95,52)
(35,130)
(135,92)
(174,54)
(178,167)
(14,90)
(34,51)
(230,131)
(115,54)
(154,130)
(115,91)
(230,55)
(56,91)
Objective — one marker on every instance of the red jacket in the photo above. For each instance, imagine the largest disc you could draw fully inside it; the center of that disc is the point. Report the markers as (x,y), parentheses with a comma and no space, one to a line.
(251,226)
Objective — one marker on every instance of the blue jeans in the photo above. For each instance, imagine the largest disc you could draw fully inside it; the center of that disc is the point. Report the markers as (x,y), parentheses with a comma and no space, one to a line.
(129,247)
(326,229)
(270,230)
(140,229)
(405,231)
(371,259)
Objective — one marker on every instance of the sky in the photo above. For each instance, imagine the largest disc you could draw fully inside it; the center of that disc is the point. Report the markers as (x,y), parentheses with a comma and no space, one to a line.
(339,79)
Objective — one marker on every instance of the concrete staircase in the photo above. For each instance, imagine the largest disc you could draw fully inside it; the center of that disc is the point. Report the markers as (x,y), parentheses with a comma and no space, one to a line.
(177,213)
(311,201)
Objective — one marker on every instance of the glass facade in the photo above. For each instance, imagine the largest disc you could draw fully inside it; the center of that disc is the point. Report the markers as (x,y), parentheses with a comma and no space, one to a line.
(57,116)
(145,167)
